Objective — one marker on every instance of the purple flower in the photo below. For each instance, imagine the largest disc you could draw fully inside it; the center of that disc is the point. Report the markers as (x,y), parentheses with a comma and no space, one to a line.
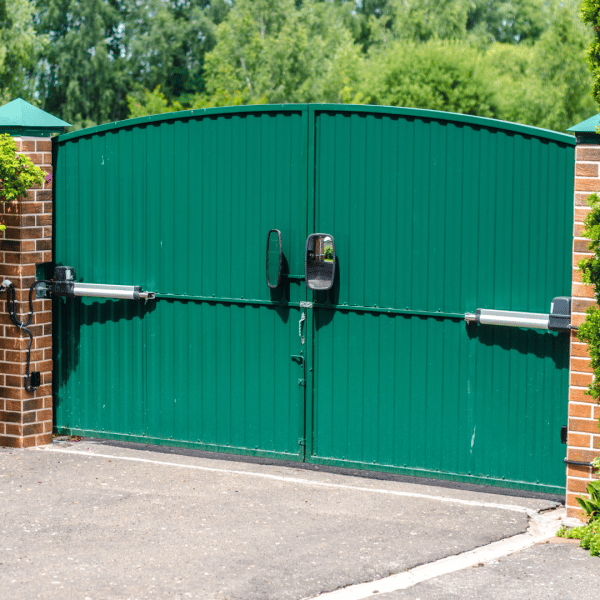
(48,178)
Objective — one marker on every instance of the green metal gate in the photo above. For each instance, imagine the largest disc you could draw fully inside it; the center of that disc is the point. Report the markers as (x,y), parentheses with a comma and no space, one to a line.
(433,215)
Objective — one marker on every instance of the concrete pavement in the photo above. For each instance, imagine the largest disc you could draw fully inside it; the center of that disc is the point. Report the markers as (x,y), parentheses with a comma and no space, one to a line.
(90,520)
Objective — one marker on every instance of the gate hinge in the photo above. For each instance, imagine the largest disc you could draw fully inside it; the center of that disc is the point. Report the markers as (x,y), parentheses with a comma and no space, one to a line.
(301,382)
(563,434)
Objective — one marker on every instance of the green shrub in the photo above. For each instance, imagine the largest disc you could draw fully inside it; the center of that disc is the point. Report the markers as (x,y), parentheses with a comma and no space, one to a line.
(17,172)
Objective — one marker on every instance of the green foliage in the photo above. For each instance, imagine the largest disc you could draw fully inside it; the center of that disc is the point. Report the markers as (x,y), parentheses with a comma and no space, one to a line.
(19,48)
(83,75)
(17,172)
(588,534)
(271,50)
(589,330)
(591,507)
(524,74)
(437,75)
(590,13)
(94,61)
(152,103)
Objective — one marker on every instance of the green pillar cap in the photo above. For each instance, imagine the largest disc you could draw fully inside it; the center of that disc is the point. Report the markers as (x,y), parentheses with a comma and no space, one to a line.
(21,118)
(586,132)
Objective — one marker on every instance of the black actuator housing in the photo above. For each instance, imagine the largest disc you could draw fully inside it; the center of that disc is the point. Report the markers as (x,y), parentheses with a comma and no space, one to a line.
(560,314)
(64,281)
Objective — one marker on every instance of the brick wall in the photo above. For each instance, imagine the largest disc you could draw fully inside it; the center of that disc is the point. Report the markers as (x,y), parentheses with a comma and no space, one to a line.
(583,438)
(26,417)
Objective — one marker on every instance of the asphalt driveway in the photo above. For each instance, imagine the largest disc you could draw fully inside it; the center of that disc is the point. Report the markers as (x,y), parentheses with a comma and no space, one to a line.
(92,520)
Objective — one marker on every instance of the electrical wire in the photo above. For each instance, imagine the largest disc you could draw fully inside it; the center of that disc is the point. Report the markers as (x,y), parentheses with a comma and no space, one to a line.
(11,307)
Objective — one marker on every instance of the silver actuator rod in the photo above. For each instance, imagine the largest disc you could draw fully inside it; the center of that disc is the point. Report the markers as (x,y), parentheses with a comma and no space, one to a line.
(559,318)
(118,292)
(510,318)
(64,284)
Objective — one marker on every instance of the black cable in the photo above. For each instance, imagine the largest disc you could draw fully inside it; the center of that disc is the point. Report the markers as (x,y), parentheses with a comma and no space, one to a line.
(12,313)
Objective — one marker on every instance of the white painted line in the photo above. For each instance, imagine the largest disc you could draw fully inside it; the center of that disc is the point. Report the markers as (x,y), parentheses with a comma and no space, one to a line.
(544,527)
(519,509)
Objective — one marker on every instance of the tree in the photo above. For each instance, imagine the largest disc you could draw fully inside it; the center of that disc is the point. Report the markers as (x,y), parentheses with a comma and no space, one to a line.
(545,84)
(436,75)
(19,49)
(83,77)
(590,13)
(271,50)
(167,42)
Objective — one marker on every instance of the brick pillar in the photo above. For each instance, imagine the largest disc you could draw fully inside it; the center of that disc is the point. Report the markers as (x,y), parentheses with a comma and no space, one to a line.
(583,435)
(26,417)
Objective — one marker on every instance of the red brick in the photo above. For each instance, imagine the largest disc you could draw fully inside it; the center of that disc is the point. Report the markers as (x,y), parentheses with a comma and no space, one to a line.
(577,232)
(581,455)
(33,429)
(578,486)
(579,440)
(29,417)
(581,290)
(581,305)
(11,442)
(581,365)
(588,153)
(45,390)
(44,366)
(583,411)
(47,158)
(31,208)
(576,275)
(10,417)
(578,471)
(582,425)
(580,379)
(44,415)
(43,220)
(580,350)
(577,319)
(29,441)
(12,368)
(43,317)
(43,145)
(587,185)
(580,214)
(29,146)
(586,170)
(13,393)
(43,439)
(25,405)
(14,429)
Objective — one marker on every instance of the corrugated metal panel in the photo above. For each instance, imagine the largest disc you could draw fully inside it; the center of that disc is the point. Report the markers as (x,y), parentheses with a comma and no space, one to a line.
(434,216)
(440,216)
(182,208)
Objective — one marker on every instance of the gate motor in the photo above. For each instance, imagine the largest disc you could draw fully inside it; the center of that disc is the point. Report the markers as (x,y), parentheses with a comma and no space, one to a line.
(63,284)
(559,318)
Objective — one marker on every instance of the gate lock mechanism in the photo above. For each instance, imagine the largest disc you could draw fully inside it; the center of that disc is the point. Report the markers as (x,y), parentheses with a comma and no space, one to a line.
(559,318)
(63,284)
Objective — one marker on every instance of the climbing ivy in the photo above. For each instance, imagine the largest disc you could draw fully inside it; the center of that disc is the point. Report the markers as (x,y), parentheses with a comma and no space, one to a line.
(17,172)
(589,330)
